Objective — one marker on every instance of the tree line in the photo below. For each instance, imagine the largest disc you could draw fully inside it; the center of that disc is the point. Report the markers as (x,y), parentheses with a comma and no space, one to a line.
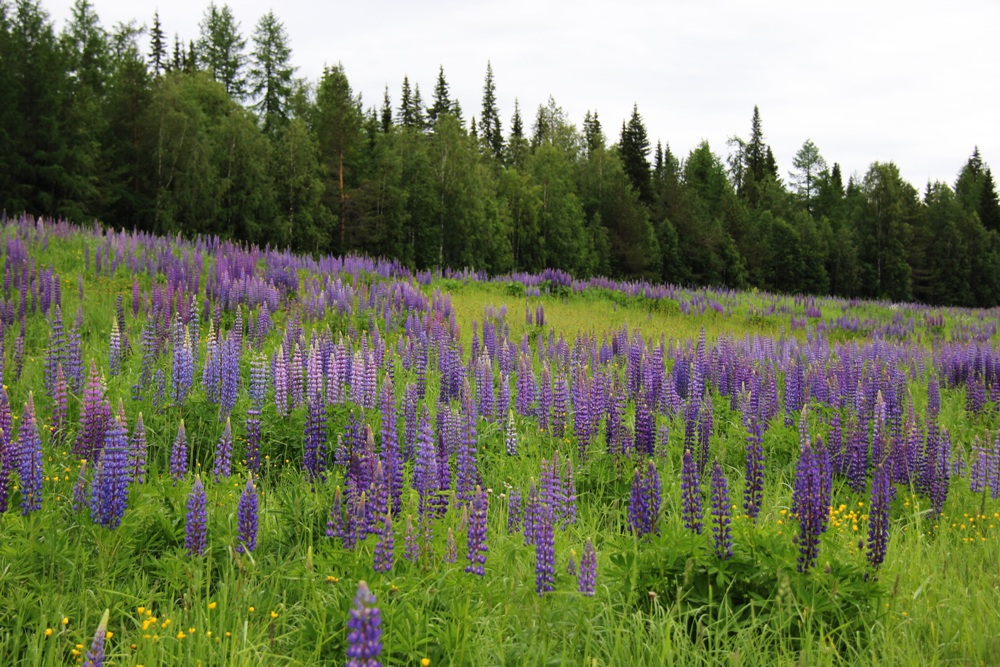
(218,136)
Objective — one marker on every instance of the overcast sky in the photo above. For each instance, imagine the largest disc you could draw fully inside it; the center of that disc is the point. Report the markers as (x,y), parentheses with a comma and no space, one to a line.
(916,83)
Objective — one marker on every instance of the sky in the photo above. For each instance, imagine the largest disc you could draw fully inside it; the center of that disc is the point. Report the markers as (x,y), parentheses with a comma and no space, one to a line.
(915,83)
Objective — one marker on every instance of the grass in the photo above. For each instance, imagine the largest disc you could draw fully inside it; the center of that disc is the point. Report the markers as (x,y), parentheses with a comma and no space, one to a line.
(662,599)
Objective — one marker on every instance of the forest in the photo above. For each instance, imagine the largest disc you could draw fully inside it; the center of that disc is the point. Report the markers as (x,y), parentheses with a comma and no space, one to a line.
(217,136)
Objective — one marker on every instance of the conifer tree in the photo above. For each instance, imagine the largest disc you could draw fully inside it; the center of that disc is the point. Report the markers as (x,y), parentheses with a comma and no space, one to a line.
(489,119)
(220,49)
(158,57)
(634,151)
(271,72)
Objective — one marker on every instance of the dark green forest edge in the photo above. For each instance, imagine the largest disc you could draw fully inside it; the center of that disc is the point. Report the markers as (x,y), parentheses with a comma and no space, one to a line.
(218,136)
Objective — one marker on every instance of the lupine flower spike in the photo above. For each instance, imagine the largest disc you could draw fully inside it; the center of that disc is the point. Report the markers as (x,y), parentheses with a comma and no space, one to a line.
(364,630)
(95,656)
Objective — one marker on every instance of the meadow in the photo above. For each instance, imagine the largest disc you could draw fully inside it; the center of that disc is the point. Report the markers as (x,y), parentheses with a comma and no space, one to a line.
(525,470)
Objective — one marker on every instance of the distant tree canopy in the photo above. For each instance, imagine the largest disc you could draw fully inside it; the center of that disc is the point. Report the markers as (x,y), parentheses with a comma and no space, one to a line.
(217,136)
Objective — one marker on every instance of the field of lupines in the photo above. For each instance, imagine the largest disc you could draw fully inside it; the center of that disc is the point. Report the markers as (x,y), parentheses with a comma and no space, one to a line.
(219,455)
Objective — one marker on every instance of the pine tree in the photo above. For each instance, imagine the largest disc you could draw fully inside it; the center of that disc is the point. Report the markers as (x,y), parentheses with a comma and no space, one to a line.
(338,129)
(517,144)
(808,165)
(593,134)
(489,119)
(270,76)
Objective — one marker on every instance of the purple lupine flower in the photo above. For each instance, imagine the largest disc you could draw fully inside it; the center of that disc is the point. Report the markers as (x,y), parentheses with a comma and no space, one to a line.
(109,490)
(411,549)
(196,528)
(60,407)
(587,578)
(510,436)
(80,489)
(179,455)
(314,449)
(137,452)
(571,564)
(224,453)
(753,492)
(183,362)
(721,514)
(560,405)
(211,372)
(93,418)
(644,501)
(247,518)
(364,630)
(513,511)
(545,552)
(280,374)
(55,356)
(532,515)
(95,656)
(808,506)
(335,523)
(467,472)
(569,495)
(477,534)
(384,548)
(115,350)
(691,498)
(253,440)
(29,459)
(450,548)
(645,427)
(390,445)
(878,516)
(425,470)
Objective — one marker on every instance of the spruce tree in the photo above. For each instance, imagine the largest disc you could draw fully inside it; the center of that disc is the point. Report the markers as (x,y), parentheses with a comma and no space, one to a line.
(271,72)
(489,119)
(634,151)
(220,49)
(442,99)
(157,47)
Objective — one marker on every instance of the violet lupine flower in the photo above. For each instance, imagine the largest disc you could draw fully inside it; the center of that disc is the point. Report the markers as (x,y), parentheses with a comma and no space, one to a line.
(450,548)
(878,516)
(109,491)
(510,436)
(691,498)
(753,492)
(808,506)
(721,514)
(364,630)
(280,375)
(314,450)
(29,459)
(196,528)
(80,489)
(477,534)
(95,656)
(115,350)
(384,548)
(60,406)
(587,579)
(466,459)
(425,470)
(390,445)
(179,455)
(644,502)
(137,452)
(253,441)
(93,418)
(224,453)
(335,523)
(183,362)
(645,427)
(55,356)
(545,552)
(247,518)
(513,511)
(411,549)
